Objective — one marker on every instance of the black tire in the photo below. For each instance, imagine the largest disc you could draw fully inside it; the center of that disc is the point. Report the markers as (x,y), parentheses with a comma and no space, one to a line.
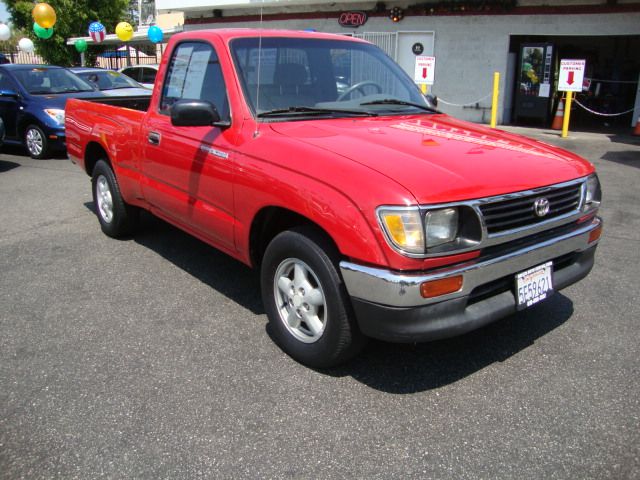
(36,142)
(320,334)
(116,217)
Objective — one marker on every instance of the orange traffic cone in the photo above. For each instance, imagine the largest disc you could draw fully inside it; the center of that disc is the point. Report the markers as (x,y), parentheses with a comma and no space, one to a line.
(636,131)
(557,120)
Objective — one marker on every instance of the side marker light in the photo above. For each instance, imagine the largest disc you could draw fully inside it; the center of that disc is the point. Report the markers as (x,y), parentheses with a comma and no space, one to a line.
(436,288)
(595,234)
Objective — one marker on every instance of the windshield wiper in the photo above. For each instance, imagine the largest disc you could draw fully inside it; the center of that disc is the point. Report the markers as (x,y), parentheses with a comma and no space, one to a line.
(395,101)
(314,111)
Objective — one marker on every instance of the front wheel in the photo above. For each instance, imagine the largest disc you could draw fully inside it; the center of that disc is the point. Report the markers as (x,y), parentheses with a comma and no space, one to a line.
(306,302)
(116,217)
(36,143)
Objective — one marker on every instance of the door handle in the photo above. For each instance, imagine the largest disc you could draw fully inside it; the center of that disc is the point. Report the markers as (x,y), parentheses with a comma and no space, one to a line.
(154,138)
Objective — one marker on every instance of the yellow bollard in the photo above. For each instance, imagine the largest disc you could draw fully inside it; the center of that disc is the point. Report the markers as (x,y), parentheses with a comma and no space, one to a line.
(494,102)
(424,87)
(567,114)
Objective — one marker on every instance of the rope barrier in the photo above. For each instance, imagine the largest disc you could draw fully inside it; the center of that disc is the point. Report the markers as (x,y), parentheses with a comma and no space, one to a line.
(602,114)
(633,82)
(463,104)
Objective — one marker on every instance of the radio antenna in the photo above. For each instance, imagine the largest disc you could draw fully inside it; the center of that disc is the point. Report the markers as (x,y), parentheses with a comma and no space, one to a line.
(257,131)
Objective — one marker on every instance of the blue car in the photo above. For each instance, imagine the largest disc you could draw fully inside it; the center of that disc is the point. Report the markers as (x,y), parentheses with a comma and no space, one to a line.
(32,100)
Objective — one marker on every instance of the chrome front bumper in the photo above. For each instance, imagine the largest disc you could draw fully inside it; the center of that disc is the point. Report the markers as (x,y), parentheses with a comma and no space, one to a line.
(402,290)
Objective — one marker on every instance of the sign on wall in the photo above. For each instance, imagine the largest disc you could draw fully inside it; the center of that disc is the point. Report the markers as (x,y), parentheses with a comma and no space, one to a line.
(425,70)
(571,75)
(352,19)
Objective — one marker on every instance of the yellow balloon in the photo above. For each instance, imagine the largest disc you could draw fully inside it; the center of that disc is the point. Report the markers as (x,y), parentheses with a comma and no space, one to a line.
(124,31)
(44,15)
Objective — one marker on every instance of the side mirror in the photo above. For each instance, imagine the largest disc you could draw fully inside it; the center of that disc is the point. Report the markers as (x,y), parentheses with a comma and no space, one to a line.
(8,93)
(432,100)
(195,113)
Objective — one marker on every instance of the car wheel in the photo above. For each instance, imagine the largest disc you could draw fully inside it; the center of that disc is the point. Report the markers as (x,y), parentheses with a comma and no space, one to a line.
(36,143)
(116,217)
(306,302)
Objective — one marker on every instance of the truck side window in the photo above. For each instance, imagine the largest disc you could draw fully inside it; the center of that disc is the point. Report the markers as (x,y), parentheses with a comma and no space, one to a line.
(194,73)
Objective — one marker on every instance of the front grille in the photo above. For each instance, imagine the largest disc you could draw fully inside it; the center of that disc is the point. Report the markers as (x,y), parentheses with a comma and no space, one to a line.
(518,212)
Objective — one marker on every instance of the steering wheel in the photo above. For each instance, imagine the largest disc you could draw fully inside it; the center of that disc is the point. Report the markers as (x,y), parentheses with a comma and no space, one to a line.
(358,86)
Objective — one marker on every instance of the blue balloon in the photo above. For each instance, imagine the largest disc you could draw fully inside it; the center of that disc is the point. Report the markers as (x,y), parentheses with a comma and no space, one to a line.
(155,34)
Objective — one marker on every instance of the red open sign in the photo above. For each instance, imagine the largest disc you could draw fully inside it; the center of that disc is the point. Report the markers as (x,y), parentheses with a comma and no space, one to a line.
(352,19)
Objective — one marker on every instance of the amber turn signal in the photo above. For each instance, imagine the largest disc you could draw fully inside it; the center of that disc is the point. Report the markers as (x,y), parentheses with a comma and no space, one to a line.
(595,234)
(436,288)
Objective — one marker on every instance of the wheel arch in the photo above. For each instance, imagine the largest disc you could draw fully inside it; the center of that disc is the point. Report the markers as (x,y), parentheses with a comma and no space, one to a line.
(270,221)
(94,152)
(24,122)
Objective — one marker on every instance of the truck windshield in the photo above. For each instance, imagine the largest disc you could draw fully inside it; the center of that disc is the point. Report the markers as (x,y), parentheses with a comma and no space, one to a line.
(47,81)
(322,77)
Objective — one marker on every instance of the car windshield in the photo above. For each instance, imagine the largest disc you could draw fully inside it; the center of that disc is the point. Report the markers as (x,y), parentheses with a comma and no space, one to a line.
(315,78)
(46,81)
(108,80)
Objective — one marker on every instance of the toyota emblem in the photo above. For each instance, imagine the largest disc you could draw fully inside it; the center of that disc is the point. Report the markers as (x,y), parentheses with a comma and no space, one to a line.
(541,207)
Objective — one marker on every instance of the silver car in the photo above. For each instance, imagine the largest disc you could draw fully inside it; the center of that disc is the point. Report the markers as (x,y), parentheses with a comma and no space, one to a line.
(110,82)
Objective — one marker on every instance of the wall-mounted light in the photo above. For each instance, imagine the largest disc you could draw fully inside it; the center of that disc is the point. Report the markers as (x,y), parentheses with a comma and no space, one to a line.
(396,14)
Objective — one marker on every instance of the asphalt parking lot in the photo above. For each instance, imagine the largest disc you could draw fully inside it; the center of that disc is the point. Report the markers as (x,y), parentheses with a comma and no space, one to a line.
(150,358)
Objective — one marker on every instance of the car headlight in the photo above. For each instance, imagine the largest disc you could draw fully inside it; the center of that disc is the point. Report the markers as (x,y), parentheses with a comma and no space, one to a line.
(403,228)
(441,226)
(56,114)
(415,232)
(592,193)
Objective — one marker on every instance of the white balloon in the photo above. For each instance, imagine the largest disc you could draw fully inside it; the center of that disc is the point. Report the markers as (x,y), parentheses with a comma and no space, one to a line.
(5,33)
(26,45)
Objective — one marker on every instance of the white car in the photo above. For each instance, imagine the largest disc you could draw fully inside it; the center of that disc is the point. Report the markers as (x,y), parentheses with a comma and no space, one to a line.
(110,82)
(144,74)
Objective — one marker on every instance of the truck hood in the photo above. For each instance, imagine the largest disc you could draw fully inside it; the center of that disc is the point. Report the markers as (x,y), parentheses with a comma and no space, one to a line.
(439,158)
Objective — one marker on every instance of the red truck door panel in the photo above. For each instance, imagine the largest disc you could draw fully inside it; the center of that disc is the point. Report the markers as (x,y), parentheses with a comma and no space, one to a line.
(189,170)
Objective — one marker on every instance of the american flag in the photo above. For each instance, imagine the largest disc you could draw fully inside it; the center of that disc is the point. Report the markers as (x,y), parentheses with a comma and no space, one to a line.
(97,31)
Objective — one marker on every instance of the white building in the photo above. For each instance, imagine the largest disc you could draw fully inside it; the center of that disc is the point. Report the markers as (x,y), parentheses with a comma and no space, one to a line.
(522,39)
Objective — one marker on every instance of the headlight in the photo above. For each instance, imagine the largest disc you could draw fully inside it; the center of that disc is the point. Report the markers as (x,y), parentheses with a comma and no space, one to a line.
(441,226)
(593,194)
(403,228)
(415,232)
(56,114)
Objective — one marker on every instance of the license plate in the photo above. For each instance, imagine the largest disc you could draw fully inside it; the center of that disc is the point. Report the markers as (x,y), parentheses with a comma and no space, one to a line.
(534,285)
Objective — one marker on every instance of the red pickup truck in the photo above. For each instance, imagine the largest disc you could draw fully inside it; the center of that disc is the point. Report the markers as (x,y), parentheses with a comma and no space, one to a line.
(315,158)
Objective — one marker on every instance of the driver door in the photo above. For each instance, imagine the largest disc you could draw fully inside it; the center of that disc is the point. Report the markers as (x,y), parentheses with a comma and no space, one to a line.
(189,170)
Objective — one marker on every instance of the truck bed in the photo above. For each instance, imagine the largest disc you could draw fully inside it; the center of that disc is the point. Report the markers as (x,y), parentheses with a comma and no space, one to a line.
(134,102)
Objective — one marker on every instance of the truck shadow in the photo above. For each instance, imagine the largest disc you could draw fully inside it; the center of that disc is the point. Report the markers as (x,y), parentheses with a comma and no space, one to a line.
(388,367)
(403,369)
(212,267)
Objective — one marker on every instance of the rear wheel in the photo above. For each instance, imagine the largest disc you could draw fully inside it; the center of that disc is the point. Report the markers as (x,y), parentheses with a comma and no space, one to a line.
(36,143)
(116,217)
(306,302)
